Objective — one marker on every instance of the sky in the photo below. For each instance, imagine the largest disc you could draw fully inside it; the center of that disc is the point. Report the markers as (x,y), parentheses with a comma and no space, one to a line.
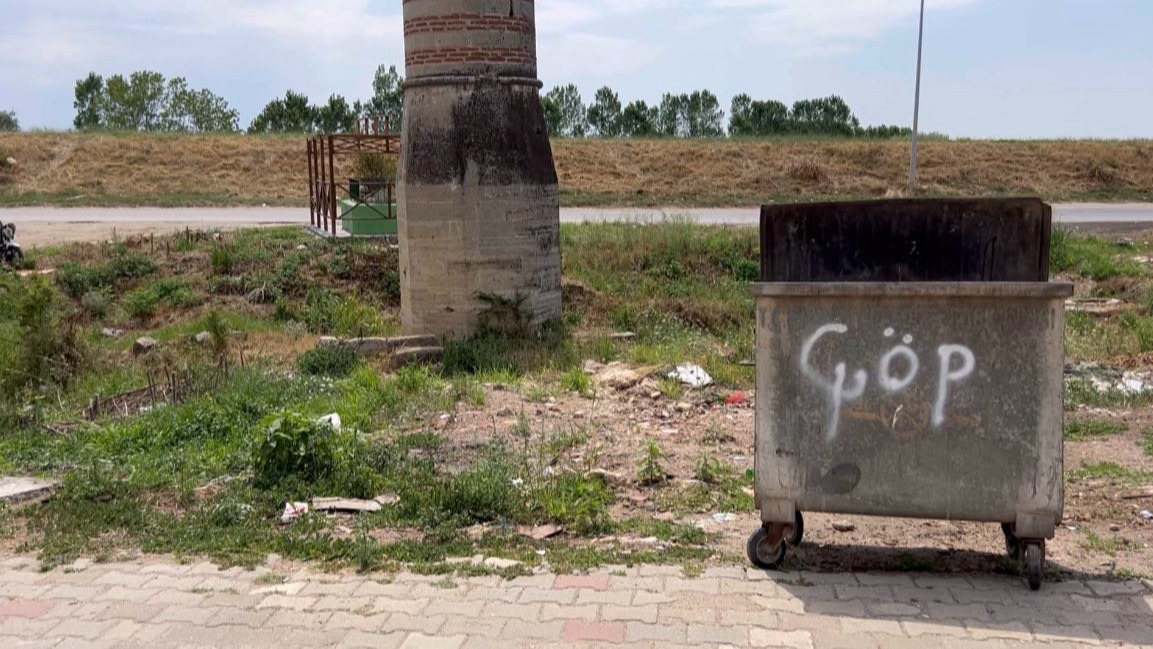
(992,68)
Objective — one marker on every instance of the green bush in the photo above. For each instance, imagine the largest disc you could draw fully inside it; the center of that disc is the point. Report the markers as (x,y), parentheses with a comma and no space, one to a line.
(95,303)
(47,349)
(141,304)
(295,448)
(333,361)
(223,260)
(77,280)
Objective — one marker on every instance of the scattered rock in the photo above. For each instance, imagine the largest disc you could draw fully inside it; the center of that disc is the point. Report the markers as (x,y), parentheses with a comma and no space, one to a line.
(10,162)
(501,564)
(293,511)
(143,345)
(1125,242)
(203,338)
(15,491)
(591,367)
(387,499)
(655,395)
(1139,494)
(112,333)
(622,336)
(609,478)
(302,247)
(843,526)
(540,532)
(416,355)
(1095,306)
(380,346)
(683,407)
(345,505)
(617,376)
(724,518)
(505,412)
(1114,528)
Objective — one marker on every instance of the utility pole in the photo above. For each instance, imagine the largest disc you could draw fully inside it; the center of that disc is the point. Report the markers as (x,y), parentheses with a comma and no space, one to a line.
(917,103)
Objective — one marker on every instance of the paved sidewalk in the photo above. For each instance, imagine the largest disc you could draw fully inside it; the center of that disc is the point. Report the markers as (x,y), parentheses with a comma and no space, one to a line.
(164,605)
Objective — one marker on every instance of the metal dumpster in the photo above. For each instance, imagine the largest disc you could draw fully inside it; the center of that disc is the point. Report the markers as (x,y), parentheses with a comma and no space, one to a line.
(909,363)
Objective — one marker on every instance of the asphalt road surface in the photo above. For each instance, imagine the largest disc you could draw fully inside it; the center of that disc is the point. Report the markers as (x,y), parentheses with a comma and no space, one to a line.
(38,226)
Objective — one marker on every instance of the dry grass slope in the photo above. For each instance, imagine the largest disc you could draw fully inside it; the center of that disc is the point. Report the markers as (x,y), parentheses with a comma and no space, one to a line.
(116,169)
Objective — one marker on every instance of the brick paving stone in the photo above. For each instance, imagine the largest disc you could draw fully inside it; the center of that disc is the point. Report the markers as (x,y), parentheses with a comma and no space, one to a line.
(589,582)
(430,625)
(851,607)
(533,595)
(353,621)
(287,601)
(392,605)
(16,590)
(855,626)
(334,588)
(581,631)
(1061,633)
(660,571)
(918,628)
(512,611)
(486,627)
(173,582)
(892,609)
(341,603)
(358,639)
(378,589)
(655,584)
(179,597)
(730,617)
(241,617)
(643,597)
(621,597)
(984,630)
(534,630)
(1110,588)
(190,614)
(613,613)
(422,641)
(922,595)
(28,608)
(773,604)
(699,633)
(116,578)
(73,592)
(90,629)
(587,612)
(883,593)
(126,594)
(494,593)
(23,627)
(958,611)
(884,579)
(657,633)
(790,639)
(286,618)
(690,615)
(795,622)
(679,585)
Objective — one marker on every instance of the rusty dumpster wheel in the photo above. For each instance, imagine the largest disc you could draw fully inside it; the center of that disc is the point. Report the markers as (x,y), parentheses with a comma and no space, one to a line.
(798,534)
(760,552)
(1035,564)
(1012,543)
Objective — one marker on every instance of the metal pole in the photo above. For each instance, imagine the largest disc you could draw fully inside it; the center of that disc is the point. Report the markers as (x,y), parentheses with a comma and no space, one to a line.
(917,102)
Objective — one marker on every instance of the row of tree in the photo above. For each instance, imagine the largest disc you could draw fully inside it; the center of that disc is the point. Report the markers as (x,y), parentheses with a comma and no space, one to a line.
(699,114)
(145,101)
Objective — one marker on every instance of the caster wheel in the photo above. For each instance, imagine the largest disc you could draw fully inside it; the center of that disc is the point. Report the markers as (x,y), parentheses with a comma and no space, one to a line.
(761,554)
(798,534)
(1012,543)
(1034,564)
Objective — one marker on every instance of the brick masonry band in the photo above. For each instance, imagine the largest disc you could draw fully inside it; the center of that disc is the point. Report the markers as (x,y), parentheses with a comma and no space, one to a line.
(470,55)
(466,23)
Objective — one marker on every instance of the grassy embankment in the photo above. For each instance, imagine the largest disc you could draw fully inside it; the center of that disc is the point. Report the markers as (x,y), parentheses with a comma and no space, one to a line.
(169,170)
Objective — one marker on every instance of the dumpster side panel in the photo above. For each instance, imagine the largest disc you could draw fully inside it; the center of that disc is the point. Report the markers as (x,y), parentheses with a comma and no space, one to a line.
(903,405)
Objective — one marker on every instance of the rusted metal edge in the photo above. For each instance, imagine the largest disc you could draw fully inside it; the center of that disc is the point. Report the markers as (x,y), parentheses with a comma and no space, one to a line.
(1040,290)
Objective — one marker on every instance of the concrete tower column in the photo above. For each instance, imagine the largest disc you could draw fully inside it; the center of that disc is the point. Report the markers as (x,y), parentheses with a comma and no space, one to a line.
(479,209)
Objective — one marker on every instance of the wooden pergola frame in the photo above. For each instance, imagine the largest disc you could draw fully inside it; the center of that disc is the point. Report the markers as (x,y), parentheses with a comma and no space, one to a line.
(375,137)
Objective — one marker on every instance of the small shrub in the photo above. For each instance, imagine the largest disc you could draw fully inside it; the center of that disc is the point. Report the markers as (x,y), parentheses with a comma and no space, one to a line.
(651,468)
(50,351)
(95,303)
(223,261)
(141,303)
(807,171)
(1078,430)
(710,470)
(293,447)
(335,361)
(576,380)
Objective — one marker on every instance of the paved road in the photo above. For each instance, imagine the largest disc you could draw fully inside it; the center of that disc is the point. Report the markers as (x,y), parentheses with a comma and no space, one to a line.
(160,605)
(42,226)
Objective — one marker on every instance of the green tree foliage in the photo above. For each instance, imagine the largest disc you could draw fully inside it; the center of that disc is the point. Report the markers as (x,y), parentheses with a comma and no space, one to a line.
(604,116)
(752,118)
(145,101)
(825,116)
(565,112)
(690,115)
(387,95)
(8,122)
(336,116)
(89,94)
(292,114)
(639,120)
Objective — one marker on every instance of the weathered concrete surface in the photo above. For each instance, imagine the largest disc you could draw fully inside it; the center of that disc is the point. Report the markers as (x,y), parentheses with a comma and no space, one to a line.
(379,346)
(14,491)
(916,400)
(479,209)
(166,605)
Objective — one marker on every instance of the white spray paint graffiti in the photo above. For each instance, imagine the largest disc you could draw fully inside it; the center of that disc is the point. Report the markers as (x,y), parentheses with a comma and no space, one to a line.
(839,394)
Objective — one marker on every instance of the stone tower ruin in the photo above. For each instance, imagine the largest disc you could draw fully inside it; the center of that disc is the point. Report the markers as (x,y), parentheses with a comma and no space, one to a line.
(479,210)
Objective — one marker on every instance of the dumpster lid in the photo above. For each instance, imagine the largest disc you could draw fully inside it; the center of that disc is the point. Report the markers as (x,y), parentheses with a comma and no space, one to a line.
(1027,290)
(910,240)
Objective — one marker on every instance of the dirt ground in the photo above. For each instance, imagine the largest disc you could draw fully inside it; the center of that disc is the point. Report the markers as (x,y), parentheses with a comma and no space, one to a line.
(619,425)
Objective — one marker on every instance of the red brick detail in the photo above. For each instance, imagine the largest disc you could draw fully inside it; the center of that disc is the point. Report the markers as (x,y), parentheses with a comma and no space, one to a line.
(28,608)
(466,23)
(581,631)
(470,55)
(591,582)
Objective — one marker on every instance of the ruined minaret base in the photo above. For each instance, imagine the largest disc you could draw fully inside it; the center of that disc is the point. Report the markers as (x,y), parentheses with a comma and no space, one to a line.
(479,210)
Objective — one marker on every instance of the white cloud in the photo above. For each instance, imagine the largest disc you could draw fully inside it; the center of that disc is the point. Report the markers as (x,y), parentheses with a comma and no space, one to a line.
(823,27)
(565,57)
